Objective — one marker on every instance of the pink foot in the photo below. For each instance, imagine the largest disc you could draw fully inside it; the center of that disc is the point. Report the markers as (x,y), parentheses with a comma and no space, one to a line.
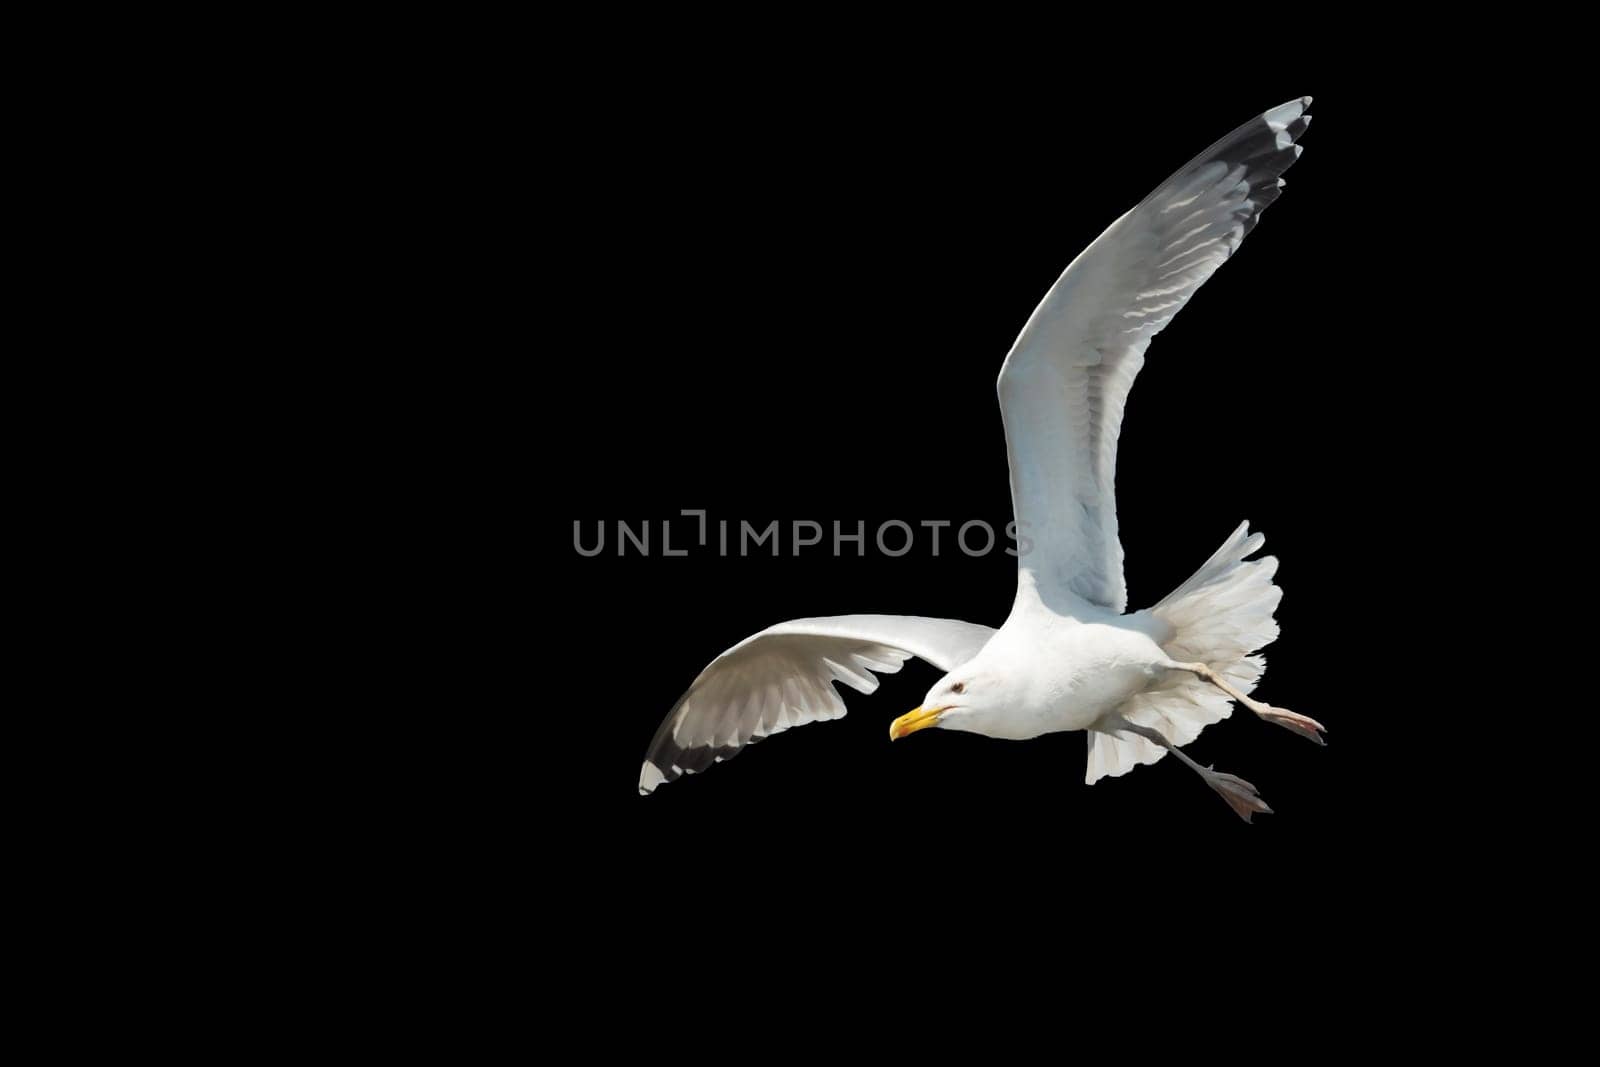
(1240,794)
(1300,724)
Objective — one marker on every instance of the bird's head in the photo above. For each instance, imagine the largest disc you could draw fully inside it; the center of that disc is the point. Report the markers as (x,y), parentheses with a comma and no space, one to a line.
(955,700)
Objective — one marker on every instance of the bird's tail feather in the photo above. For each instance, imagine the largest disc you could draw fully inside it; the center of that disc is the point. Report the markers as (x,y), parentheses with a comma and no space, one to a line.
(1219,617)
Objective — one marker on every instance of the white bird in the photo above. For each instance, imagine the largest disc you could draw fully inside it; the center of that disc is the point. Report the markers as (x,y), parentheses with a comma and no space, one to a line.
(1067,657)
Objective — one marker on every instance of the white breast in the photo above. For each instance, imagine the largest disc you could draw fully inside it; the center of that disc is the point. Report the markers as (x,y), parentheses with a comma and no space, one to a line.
(1069,674)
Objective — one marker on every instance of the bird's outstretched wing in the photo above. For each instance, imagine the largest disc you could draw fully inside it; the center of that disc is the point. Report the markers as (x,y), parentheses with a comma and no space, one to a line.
(782,676)
(1065,381)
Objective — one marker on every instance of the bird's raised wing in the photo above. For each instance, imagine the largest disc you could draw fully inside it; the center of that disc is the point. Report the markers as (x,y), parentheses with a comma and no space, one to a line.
(1065,381)
(782,676)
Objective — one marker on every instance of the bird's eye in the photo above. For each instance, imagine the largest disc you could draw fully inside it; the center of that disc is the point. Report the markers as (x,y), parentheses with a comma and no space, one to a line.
(959,687)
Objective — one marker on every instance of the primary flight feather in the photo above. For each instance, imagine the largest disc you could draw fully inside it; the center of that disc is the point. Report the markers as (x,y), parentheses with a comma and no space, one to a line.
(1068,657)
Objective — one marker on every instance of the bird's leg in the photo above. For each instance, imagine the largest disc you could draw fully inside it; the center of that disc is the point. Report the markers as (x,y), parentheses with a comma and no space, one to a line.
(1240,794)
(1303,725)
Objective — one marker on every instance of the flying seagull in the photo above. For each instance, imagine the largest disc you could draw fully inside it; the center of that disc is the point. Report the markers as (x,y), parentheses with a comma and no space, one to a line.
(1069,657)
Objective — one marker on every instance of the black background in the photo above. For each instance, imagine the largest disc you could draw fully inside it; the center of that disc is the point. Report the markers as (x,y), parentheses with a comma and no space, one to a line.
(792,304)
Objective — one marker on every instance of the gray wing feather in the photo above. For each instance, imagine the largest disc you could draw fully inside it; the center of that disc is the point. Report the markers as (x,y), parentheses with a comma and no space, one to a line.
(1066,380)
(782,677)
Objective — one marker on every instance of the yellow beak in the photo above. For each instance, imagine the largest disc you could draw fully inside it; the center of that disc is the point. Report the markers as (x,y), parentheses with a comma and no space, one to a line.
(914,720)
